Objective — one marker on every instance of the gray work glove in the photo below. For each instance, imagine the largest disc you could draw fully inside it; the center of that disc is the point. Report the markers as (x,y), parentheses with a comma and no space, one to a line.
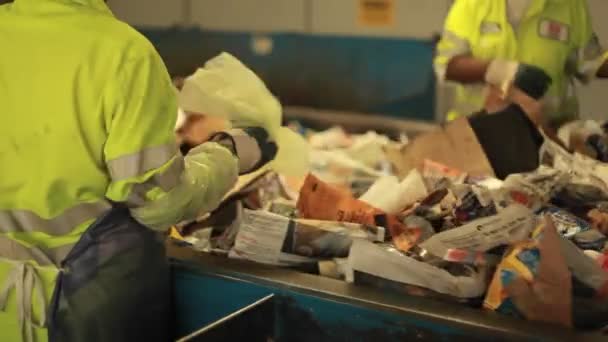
(251,145)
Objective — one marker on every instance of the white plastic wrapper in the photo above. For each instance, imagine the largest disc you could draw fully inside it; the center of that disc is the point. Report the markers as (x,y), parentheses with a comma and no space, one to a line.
(228,89)
(392,196)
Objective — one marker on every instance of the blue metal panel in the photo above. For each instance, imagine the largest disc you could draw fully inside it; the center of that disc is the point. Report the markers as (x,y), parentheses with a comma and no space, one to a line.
(337,321)
(203,299)
(389,76)
(313,308)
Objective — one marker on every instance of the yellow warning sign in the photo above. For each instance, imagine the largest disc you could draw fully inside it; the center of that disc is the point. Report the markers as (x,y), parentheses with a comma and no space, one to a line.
(376,13)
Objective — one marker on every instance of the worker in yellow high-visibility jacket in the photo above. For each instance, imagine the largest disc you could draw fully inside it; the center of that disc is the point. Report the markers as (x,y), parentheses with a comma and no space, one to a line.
(89,170)
(486,43)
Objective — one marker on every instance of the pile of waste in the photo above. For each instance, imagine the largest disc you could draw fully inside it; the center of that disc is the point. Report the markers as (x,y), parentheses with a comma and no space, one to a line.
(391,215)
(531,246)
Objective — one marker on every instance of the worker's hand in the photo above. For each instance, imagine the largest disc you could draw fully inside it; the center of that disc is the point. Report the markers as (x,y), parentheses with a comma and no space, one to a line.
(501,74)
(251,145)
(505,75)
(195,129)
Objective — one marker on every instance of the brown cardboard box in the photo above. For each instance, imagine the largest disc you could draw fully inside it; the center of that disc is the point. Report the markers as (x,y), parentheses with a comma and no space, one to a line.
(454,145)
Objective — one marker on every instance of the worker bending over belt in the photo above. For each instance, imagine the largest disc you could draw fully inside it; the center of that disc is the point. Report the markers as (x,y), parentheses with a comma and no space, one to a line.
(489,42)
(90,171)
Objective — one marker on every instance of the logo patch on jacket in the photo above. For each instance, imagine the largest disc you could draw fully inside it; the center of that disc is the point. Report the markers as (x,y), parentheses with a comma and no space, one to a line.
(553,29)
(488,27)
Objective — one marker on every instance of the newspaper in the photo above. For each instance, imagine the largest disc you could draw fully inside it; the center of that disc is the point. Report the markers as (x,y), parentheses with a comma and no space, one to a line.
(365,257)
(276,240)
(512,224)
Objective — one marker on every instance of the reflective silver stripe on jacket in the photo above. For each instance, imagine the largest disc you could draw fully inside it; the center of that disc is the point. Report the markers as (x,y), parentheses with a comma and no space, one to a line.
(137,164)
(458,46)
(11,249)
(28,221)
(166,180)
(29,289)
(170,177)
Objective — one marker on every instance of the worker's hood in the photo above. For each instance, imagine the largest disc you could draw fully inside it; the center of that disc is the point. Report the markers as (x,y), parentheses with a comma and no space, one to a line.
(42,6)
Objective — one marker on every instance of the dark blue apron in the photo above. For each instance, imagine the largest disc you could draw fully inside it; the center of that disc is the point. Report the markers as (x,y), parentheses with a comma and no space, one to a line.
(115,285)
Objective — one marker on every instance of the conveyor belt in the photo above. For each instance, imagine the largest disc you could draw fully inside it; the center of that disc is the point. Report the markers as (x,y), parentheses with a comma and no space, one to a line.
(208,288)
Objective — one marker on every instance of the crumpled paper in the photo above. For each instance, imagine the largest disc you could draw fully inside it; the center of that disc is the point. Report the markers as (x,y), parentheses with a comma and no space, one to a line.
(321,201)
(547,297)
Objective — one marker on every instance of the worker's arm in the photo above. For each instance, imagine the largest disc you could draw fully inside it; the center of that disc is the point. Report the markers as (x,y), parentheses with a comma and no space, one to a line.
(146,170)
(453,59)
(590,59)
(466,69)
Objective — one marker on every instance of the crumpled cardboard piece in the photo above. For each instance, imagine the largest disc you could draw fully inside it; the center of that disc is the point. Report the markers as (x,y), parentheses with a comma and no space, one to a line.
(321,201)
(454,145)
(534,280)
(548,298)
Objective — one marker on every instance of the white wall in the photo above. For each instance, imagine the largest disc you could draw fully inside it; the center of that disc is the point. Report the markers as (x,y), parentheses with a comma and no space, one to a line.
(158,13)
(247,15)
(413,18)
(594,97)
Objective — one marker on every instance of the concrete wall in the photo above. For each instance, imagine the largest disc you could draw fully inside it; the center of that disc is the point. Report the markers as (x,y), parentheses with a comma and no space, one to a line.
(312,53)
(594,97)
(156,13)
(413,18)
(247,15)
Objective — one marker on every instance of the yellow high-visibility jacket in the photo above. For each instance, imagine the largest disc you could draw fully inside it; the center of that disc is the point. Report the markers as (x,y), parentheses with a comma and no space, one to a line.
(555,35)
(87,117)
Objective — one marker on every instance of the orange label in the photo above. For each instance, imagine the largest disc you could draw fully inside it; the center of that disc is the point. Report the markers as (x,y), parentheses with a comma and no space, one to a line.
(321,201)
(377,13)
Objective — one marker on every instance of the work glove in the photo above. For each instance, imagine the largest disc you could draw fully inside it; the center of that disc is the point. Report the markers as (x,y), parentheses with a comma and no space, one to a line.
(251,145)
(530,79)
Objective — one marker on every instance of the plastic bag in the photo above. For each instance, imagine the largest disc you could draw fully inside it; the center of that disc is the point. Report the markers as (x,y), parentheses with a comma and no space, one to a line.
(227,88)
